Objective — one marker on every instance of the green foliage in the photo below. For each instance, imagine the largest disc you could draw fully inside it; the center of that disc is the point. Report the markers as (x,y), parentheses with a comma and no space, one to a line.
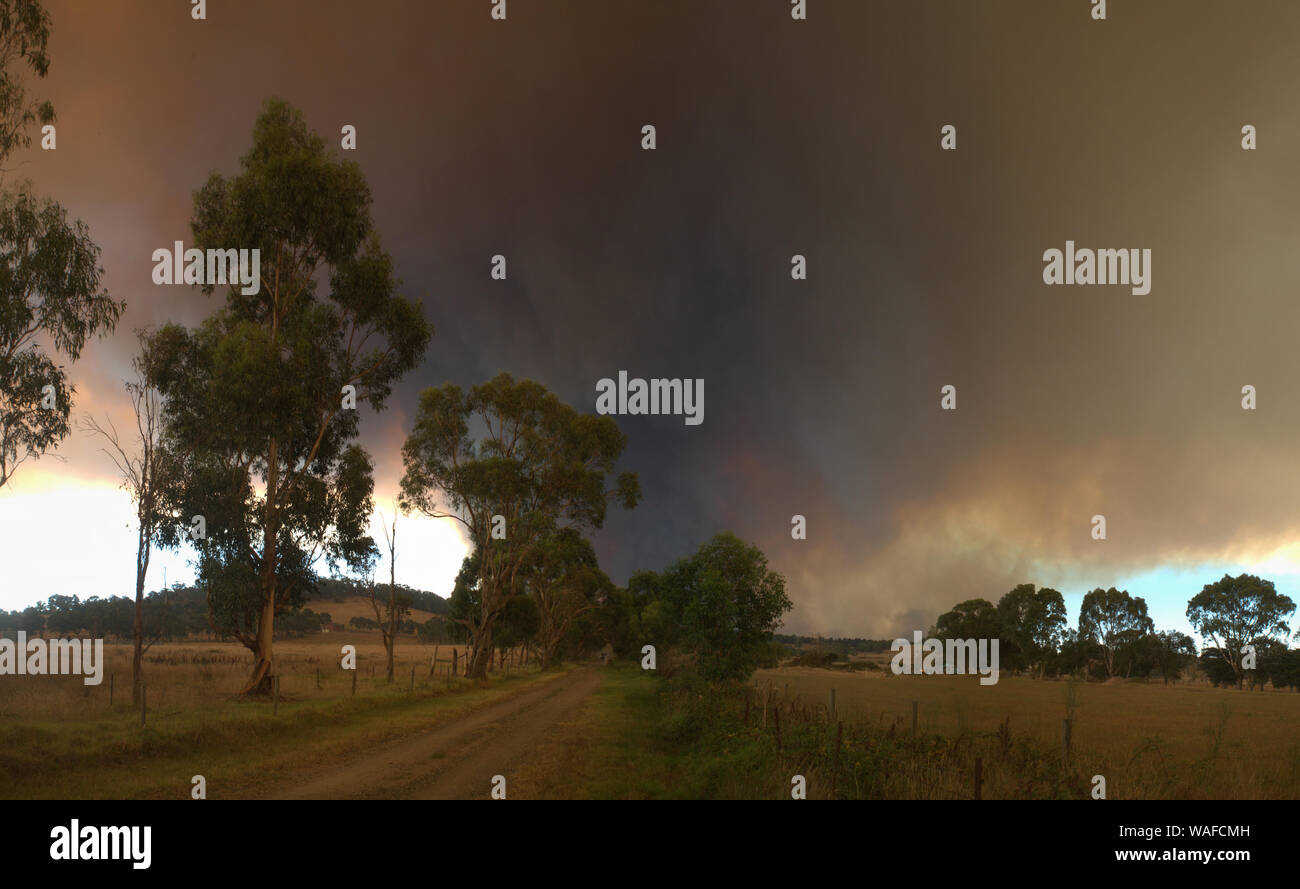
(564,581)
(1030,625)
(177,613)
(1217,666)
(511,449)
(972,619)
(24,40)
(433,630)
(814,659)
(1236,611)
(518,624)
(1281,666)
(688,738)
(51,303)
(727,604)
(1114,620)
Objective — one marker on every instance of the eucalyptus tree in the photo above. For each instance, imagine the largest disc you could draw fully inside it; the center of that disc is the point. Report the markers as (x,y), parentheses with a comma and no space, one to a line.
(261,398)
(513,464)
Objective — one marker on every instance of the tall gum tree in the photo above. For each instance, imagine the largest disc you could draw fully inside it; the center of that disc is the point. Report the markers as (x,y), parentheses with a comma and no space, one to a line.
(510,457)
(260,400)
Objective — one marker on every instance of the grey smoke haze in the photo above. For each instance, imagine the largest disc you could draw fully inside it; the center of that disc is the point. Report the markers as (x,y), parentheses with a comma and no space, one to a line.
(776,138)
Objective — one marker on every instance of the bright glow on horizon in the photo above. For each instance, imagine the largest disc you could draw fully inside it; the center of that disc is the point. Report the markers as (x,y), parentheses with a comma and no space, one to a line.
(79,539)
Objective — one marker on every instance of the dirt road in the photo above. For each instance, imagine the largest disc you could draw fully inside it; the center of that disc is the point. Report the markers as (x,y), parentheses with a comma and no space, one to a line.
(456,760)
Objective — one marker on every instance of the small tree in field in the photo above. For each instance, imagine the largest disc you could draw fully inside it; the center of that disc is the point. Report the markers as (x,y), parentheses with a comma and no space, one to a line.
(727,603)
(144,466)
(397,607)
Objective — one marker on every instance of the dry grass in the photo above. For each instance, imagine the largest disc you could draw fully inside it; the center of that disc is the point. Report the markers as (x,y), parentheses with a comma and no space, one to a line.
(358,606)
(1148,739)
(190,675)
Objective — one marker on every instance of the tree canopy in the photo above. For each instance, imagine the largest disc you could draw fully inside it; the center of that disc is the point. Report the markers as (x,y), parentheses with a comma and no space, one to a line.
(726,604)
(1236,611)
(514,465)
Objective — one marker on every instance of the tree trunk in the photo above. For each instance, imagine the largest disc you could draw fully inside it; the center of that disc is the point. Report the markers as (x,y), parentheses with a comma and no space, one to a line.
(390,638)
(477,663)
(137,656)
(390,643)
(259,682)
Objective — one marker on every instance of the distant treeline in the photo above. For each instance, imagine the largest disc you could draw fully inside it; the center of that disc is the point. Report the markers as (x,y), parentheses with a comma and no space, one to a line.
(182,613)
(1243,621)
(844,647)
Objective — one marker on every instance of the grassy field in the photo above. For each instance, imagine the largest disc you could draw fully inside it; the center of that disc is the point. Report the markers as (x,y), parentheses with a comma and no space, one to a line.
(1149,739)
(644,737)
(61,739)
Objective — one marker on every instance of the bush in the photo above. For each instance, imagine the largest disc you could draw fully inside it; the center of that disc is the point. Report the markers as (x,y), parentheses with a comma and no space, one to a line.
(824,659)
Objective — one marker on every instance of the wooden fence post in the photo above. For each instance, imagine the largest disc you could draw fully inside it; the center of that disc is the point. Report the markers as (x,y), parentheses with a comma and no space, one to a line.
(835,763)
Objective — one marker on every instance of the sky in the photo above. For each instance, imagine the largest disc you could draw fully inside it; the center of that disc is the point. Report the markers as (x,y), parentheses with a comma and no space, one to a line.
(775,137)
